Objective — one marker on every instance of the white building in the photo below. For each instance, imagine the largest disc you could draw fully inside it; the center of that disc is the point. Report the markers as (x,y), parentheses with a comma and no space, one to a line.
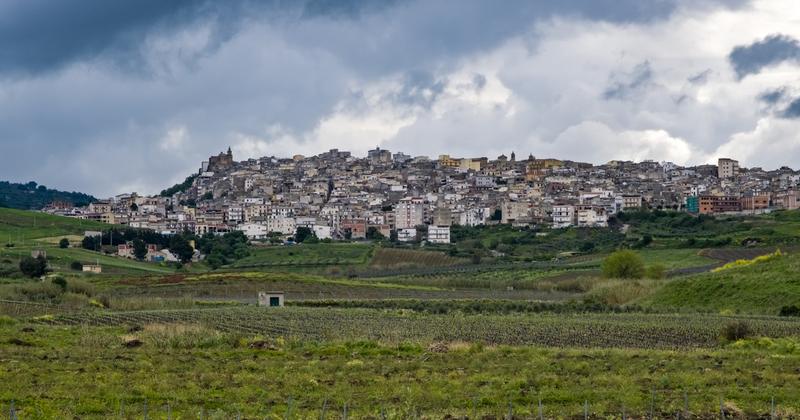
(592,216)
(563,216)
(322,232)
(439,234)
(474,216)
(407,234)
(235,214)
(254,230)
(281,224)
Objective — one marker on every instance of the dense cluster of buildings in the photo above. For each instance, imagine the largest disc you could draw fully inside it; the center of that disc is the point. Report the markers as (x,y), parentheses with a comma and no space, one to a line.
(337,195)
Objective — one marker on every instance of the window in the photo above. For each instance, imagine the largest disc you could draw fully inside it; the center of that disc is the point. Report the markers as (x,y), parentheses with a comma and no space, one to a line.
(274,301)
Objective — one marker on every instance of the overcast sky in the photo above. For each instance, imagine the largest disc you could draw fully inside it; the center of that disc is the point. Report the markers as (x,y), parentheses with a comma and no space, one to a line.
(107,97)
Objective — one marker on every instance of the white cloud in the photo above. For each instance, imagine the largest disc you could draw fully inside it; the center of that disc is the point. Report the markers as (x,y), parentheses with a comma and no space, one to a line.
(772,143)
(174,139)
(595,142)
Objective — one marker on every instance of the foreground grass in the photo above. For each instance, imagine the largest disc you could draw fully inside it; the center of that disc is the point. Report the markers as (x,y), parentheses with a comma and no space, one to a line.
(60,372)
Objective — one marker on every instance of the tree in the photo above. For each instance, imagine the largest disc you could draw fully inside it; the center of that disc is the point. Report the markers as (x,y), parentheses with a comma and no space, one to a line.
(215,261)
(374,234)
(90,243)
(139,249)
(624,264)
(302,234)
(33,267)
(63,243)
(181,248)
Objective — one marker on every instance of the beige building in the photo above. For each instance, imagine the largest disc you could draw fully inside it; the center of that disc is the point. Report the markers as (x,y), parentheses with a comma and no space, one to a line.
(727,168)
(409,212)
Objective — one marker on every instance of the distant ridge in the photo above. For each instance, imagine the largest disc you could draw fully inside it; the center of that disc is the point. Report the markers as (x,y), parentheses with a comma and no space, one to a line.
(31,196)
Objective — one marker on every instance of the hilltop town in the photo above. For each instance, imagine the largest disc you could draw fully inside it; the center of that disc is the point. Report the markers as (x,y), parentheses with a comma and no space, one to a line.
(340,196)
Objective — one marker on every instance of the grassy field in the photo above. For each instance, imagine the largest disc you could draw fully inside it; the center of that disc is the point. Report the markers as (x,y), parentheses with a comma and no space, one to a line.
(410,333)
(22,226)
(759,288)
(61,258)
(194,371)
(399,257)
(307,254)
(675,258)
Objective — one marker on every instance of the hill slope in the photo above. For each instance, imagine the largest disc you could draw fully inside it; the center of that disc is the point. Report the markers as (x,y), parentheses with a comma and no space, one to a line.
(31,196)
(21,225)
(761,288)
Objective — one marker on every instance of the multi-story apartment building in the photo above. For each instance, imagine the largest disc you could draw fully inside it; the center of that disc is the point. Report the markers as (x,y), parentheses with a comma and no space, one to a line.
(591,216)
(439,234)
(727,168)
(563,215)
(409,212)
(719,204)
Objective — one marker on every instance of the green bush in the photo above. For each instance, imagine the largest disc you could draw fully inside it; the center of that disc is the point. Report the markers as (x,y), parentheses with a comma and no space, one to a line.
(33,267)
(63,243)
(790,310)
(80,287)
(656,271)
(60,282)
(623,264)
(736,330)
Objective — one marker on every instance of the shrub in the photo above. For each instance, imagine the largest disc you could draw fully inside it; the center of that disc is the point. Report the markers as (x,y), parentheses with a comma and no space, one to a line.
(33,267)
(63,243)
(743,263)
(790,310)
(76,265)
(656,271)
(736,330)
(60,282)
(74,300)
(623,264)
(80,287)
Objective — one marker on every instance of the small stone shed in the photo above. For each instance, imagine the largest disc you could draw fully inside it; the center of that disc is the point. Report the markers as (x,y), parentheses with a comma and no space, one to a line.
(270,299)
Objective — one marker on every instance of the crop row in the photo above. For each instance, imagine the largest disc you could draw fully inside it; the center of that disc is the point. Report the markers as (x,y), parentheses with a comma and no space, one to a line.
(560,330)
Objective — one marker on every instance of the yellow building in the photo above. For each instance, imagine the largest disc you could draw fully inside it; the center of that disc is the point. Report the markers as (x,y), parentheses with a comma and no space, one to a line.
(475,164)
(538,168)
(449,162)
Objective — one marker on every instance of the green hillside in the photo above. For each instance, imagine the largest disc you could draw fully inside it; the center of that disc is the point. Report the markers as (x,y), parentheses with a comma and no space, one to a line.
(761,288)
(34,197)
(20,226)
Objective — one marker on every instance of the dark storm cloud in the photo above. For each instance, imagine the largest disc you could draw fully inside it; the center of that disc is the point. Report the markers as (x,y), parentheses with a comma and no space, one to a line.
(774,49)
(37,36)
(70,123)
(624,85)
